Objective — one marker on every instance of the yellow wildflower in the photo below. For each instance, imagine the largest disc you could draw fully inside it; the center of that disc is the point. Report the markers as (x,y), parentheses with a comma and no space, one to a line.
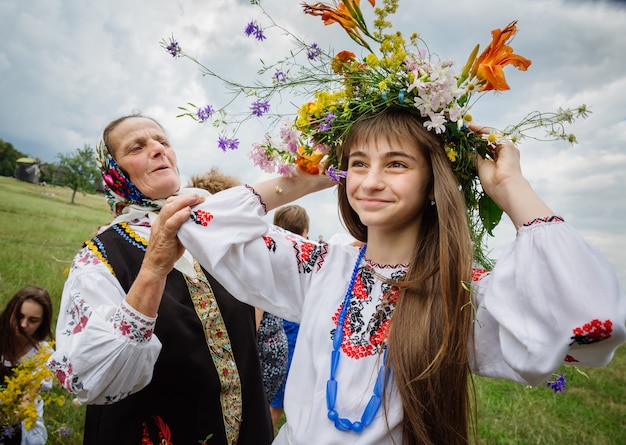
(372,60)
(451,153)
(20,391)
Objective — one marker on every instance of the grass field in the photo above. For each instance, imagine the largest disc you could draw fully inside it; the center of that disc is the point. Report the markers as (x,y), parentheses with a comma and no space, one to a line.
(40,231)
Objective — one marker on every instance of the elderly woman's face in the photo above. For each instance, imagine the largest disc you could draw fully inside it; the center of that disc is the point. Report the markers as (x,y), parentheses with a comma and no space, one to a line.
(143,151)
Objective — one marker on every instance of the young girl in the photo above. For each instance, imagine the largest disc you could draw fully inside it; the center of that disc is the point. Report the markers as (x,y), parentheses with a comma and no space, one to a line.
(390,332)
(25,325)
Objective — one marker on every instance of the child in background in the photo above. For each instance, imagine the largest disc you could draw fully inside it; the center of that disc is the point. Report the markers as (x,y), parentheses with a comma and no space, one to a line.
(296,220)
(25,325)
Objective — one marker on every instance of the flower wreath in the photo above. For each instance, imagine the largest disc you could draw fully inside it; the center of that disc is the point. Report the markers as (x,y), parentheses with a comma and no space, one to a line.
(404,74)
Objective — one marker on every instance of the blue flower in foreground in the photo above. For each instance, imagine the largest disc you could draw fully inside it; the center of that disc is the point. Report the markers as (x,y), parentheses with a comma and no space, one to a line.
(313,51)
(260,107)
(173,48)
(335,174)
(204,113)
(253,28)
(558,384)
(227,144)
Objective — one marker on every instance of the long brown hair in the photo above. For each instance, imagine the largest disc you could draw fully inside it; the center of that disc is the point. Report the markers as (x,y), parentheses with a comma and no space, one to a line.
(9,321)
(430,331)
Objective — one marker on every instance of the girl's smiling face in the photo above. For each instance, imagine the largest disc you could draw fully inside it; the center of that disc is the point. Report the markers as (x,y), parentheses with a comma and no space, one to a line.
(388,184)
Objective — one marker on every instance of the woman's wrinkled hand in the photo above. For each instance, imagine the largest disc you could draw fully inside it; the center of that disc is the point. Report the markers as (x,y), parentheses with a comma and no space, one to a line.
(164,247)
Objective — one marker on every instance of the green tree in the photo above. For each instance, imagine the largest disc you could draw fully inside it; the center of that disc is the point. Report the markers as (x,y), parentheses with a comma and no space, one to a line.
(8,157)
(79,170)
(48,173)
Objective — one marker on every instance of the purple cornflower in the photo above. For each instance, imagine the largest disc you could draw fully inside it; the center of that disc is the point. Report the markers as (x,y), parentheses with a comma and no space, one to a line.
(335,174)
(325,126)
(558,384)
(250,28)
(259,108)
(7,432)
(253,28)
(227,144)
(173,48)
(205,113)
(280,77)
(313,51)
(65,431)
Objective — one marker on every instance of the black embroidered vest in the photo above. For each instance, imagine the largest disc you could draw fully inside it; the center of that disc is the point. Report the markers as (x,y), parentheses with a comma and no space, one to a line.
(185,388)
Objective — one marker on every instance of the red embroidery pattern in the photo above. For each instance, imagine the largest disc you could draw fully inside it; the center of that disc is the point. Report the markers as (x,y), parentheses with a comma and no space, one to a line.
(592,332)
(394,295)
(270,243)
(310,256)
(546,219)
(63,373)
(477,274)
(164,433)
(360,291)
(201,217)
(569,359)
(363,337)
(131,325)
(165,436)
(258,197)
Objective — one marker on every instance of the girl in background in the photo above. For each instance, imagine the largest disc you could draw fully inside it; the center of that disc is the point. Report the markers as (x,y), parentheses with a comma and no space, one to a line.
(25,327)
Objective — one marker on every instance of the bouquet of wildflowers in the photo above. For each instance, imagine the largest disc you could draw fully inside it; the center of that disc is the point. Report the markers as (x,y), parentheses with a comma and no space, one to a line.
(19,392)
(342,88)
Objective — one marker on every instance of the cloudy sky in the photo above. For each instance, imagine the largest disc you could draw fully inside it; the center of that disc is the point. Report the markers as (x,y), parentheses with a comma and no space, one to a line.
(68,67)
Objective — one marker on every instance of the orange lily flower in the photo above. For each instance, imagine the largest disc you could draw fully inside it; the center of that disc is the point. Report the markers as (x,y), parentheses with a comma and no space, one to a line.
(342,59)
(347,13)
(309,162)
(488,67)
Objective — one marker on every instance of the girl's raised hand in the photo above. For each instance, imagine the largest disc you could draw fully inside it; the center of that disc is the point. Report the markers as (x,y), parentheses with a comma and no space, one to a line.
(502,179)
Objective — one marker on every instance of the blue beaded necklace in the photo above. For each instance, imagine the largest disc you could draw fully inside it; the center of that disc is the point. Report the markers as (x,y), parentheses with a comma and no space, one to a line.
(375,401)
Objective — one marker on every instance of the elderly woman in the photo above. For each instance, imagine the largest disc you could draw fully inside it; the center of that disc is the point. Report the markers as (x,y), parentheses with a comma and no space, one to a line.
(155,346)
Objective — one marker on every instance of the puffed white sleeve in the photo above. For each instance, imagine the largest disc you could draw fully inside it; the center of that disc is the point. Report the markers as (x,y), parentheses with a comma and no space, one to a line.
(257,262)
(551,299)
(105,350)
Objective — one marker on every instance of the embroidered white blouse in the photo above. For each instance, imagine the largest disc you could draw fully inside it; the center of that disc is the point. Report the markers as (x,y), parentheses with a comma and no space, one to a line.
(551,299)
(117,334)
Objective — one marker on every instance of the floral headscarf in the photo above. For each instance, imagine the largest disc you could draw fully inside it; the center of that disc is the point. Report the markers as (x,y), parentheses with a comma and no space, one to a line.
(119,191)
